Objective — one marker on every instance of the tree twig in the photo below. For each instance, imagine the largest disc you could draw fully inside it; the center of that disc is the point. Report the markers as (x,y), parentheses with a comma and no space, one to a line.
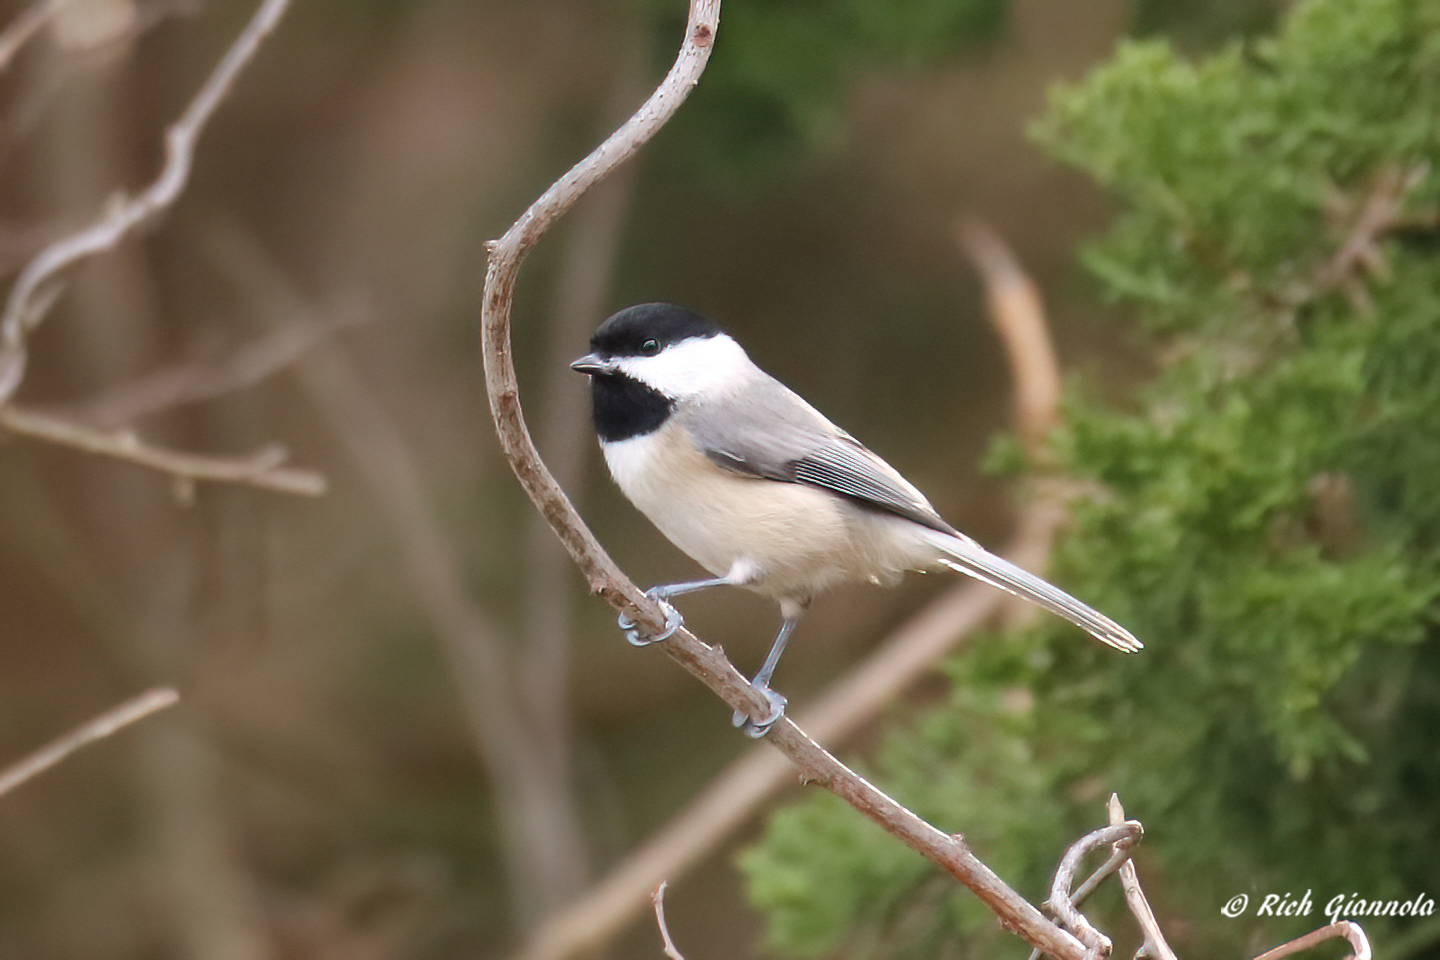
(1063,904)
(1155,946)
(1121,854)
(132,710)
(32,295)
(669,945)
(263,468)
(605,578)
(1376,214)
(1344,928)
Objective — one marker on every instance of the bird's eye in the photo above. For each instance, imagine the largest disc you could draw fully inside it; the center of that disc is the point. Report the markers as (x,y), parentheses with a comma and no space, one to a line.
(649,348)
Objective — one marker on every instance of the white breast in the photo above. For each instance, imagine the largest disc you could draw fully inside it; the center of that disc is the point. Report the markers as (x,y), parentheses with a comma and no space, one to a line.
(802,539)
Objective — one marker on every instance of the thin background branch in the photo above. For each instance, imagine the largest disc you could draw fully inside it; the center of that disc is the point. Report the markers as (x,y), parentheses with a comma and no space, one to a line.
(605,578)
(263,468)
(542,662)
(200,381)
(1017,311)
(112,720)
(28,301)
(38,285)
(473,645)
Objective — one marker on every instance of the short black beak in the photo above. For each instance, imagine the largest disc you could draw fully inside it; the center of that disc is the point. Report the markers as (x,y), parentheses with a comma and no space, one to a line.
(593,364)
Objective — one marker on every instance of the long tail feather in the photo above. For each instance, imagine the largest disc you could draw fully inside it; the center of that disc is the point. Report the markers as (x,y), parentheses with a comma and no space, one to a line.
(969,557)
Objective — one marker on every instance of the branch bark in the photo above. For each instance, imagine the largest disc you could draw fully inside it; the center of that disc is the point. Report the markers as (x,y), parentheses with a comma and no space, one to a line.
(605,578)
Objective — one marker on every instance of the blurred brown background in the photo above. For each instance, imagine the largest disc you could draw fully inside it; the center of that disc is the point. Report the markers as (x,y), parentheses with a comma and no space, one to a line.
(338,780)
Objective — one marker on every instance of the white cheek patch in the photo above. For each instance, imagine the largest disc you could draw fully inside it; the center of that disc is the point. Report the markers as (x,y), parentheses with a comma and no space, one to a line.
(691,367)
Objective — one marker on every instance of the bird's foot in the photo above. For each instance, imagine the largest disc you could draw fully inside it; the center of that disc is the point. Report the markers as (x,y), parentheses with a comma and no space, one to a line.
(673,622)
(755,729)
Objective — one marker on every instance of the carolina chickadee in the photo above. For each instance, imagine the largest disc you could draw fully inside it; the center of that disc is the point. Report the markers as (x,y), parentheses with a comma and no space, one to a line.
(760,489)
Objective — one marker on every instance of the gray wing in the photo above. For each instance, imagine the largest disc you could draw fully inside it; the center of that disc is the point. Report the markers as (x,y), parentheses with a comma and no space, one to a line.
(773,434)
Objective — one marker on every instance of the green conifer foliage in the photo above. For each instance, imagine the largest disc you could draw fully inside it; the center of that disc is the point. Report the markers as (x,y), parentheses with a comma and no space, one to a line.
(1265,515)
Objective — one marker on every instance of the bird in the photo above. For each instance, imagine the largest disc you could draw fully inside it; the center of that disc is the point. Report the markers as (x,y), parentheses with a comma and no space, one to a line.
(764,492)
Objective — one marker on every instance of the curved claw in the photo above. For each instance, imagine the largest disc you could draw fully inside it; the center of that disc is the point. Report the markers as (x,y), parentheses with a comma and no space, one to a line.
(673,622)
(755,729)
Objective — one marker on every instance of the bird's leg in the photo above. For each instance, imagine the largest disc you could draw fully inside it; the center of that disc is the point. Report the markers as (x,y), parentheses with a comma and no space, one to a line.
(740,574)
(673,620)
(758,728)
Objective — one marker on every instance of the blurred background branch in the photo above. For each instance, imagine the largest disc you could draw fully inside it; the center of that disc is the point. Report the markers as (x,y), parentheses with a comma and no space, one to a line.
(24,26)
(109,722)
(538,835)
(34,292)
(263,468)
(28,300)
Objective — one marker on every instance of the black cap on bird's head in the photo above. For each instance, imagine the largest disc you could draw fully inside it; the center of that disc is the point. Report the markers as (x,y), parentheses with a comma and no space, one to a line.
(642,330)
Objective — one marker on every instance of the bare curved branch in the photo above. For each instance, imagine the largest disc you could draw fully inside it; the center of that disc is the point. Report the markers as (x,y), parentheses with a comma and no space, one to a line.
(1344,928)
(1063,904)
(506,255)
(31,296)
(706,663)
